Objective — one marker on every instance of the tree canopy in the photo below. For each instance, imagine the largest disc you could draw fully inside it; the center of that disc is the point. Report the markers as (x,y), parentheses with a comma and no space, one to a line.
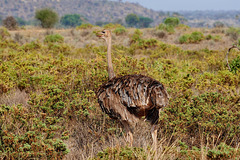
(72,20)
(47,17)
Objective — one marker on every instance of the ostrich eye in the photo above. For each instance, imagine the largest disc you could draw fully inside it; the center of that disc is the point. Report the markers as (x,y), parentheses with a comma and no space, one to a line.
(103,31)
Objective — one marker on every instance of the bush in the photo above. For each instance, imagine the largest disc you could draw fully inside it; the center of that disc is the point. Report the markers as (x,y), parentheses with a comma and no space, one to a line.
(54,38)
(132,20)
(172,21)
(4,33)
(85,26)
(144,22)
(194,37)
(10,23)
(120,31)
(233,33)
(167,28)
(235,65)
(72,20)
(47,17)
(112,26)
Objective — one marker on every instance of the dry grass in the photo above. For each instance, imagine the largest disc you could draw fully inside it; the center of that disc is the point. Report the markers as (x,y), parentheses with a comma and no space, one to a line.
(81,38)
(14,97)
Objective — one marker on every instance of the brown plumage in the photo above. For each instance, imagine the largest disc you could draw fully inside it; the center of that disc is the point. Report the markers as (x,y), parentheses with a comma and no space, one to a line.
(131,97)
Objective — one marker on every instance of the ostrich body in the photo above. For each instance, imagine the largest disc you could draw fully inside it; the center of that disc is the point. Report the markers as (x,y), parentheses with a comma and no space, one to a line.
(131,97)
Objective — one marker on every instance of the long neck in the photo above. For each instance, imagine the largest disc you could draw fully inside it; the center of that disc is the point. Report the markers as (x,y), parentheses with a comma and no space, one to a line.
(109,59)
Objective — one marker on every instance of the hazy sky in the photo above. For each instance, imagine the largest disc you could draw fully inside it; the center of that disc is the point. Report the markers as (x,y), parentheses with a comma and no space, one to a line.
(176,5)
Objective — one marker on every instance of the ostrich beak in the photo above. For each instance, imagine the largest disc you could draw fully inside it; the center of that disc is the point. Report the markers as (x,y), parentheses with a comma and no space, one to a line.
(99,34)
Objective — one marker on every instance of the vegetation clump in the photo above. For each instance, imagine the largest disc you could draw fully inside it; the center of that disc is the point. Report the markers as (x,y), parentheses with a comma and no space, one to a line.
(54,38)
(72,20)
(194,37)
(47,17)
(10,23)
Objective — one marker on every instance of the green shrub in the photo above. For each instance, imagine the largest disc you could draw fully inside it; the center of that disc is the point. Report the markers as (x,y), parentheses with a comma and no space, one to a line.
(172,21)
(112,26)
(53,38)
(167,28)
(194,37)
(85,26)
(71,20)
(4,33)
(120,31)
(122,153)
(47,17)
(235,65)
(132,20)
(222,151)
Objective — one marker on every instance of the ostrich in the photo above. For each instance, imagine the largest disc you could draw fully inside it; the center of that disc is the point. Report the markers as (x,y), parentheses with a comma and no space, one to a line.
(131,97)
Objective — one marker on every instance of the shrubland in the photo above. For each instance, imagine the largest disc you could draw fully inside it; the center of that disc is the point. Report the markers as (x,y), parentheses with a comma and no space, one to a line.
(49,110)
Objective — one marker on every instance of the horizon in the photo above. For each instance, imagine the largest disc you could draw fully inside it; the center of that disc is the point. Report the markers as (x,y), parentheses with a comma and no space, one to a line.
(188,5)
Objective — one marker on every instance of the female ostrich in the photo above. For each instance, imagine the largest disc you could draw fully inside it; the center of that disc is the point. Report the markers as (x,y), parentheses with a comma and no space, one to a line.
(131,97)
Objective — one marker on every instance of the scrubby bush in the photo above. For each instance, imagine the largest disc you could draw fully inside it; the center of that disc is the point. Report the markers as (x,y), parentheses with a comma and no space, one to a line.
(71,20)
(172,21)
(233,33)
(120,31)
(85,26)
(194,37)
(112,26)
(47,17)
(10,23)
(235,65)
(4,33)
(54,38)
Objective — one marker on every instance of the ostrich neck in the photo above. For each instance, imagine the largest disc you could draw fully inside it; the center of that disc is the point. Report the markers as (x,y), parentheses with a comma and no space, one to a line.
(109,60)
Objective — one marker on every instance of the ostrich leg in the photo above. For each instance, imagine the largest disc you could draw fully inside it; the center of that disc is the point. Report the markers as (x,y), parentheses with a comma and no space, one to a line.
(129,132)
(154,137)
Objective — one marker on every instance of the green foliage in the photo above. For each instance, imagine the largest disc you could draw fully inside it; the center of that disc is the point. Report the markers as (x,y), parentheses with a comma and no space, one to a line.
(144,22)
(54,38)
(71,20)
(122,153)
(172,21)
(112,26)
(132,20)
(137,42)
(47,17)
(222,151)
(169,24)
(85,26)
(194,37)
(4,33)
(120,31)
(167,28)
(10,23)
(235,65)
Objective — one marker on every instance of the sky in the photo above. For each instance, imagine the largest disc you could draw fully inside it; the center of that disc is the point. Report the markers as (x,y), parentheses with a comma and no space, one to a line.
(189,5)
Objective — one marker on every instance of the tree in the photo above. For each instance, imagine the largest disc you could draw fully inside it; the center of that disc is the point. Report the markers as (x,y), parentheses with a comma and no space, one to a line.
(72,20)
(144,22)
(47,17)
(10,23)
(132,20)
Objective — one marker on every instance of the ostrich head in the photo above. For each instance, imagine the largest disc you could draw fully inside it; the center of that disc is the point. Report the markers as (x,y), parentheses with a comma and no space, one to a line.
(105,34)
